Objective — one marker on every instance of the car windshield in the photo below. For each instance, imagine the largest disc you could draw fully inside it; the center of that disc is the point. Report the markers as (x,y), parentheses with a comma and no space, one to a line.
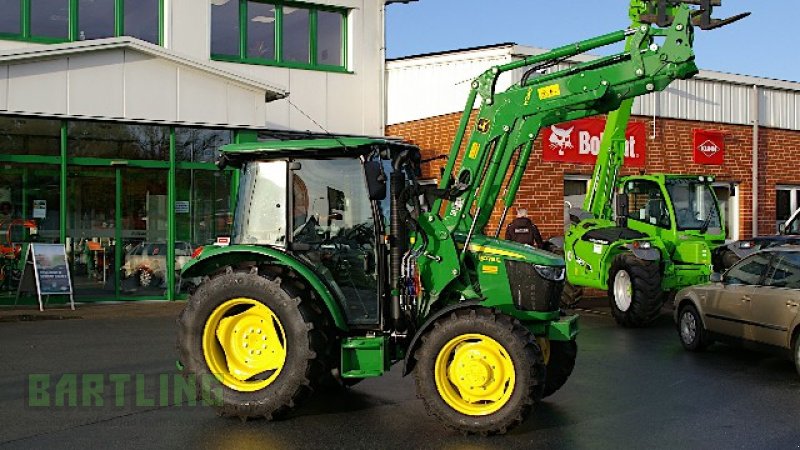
(695,205)
(793,226)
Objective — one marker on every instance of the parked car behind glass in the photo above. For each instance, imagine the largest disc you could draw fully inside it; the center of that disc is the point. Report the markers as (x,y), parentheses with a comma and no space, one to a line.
(148,261)
(756,301)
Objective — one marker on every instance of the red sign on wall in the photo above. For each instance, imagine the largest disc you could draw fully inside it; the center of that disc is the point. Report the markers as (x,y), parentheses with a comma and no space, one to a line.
(709,147)
(579,142)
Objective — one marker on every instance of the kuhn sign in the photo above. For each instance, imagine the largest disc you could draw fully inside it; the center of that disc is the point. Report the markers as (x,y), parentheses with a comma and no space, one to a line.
(579,142)
(709,147)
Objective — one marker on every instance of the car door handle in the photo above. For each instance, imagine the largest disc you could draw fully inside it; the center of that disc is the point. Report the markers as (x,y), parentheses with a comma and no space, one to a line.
(746,298)
(792,304)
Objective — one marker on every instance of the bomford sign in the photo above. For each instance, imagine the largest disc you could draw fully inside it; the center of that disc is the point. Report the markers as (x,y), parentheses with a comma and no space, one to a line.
(579,142)
(709,147)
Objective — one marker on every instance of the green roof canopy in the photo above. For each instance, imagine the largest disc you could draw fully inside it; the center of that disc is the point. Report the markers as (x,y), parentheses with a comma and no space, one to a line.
(342,143)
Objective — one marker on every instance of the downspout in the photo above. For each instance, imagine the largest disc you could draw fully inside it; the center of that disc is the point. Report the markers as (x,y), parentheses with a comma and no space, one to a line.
(754,113)
(385,94)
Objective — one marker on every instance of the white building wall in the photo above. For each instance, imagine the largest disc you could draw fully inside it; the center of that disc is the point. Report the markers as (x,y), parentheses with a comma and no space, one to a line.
(318,101)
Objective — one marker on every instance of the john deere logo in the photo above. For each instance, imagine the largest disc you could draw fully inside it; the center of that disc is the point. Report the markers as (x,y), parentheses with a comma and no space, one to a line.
(483,125)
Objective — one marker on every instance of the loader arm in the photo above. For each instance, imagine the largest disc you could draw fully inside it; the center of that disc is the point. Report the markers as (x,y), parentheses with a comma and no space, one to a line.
(507,123)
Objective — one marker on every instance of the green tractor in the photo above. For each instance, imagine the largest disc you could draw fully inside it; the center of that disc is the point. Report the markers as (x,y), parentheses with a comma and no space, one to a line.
(320,288)
(342,264)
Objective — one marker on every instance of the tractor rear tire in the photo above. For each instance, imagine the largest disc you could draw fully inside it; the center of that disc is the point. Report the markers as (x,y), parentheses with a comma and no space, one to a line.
(634,290)
(251,314)
(571,295)
(560,364)
(479,371)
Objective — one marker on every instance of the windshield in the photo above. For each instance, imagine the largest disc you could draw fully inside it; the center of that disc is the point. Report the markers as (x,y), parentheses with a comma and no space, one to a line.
(260,216)
(793,226)
(695,206)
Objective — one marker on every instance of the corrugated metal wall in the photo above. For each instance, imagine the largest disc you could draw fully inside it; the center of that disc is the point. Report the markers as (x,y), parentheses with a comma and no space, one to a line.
(426,86)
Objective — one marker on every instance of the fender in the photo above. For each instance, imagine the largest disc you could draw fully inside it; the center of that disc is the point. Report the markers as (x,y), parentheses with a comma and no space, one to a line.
(646,254)
(213,258)
(409,362)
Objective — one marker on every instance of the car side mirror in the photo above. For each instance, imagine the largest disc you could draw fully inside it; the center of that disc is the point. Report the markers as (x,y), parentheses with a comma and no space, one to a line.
(716,277)
(781,228)
(376,180)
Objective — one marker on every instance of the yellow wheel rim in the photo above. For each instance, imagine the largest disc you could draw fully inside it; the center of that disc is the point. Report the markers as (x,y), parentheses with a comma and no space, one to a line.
(474,374)
(244,344)
(544,345)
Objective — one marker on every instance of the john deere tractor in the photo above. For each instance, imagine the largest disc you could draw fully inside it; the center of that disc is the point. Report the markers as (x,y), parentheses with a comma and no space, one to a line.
(342,264)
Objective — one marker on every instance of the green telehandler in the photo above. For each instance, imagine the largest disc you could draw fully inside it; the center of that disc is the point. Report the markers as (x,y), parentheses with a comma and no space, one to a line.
(342,264)
(656,235)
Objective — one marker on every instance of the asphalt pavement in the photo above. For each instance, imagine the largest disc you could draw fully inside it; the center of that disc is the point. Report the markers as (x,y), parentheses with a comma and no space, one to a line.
(630,389)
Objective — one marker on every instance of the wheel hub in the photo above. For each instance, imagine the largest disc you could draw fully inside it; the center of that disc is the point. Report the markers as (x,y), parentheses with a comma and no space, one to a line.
(623,290)
(242,340)
(474,374)
(688,327)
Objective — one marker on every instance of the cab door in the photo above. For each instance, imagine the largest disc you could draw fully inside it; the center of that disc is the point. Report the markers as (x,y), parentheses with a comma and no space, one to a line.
(727,308)
(775,305)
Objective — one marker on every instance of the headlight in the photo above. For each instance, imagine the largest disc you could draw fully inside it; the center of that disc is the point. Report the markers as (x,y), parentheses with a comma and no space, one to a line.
(644,245)
(746,244)
(552,273)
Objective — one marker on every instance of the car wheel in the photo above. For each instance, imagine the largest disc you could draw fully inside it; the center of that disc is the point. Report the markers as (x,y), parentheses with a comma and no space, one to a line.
(797,352)
(690,329)
(145,277)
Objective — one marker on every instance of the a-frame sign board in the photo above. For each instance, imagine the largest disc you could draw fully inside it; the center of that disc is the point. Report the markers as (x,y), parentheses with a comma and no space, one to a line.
(46,273)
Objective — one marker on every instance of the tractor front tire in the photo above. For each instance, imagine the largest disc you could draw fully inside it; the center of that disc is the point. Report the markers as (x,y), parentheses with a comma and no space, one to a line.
(728,258)
(560,363)
(571,295)
(634,290)
(258,343)
(479,371)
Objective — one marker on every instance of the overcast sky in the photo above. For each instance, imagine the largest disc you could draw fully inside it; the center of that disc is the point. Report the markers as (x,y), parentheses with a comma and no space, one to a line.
(766,44)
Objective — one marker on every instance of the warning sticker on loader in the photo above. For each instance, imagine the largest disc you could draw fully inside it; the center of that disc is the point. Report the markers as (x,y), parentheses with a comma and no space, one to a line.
(554,90)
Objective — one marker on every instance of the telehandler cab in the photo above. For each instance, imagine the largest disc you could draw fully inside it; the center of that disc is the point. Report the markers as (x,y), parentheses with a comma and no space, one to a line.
(342,264)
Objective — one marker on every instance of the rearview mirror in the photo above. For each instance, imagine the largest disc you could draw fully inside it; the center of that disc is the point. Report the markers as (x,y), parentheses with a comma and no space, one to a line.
(376,180)
(716,277)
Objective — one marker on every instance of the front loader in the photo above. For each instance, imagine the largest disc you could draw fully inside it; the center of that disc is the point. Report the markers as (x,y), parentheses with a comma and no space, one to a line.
(342,264)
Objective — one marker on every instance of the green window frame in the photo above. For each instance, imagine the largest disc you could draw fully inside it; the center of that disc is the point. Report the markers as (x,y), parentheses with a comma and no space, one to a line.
(279,60)
(119,23)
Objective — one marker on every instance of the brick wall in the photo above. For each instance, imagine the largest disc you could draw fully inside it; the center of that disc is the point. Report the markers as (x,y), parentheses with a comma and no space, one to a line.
(669,151)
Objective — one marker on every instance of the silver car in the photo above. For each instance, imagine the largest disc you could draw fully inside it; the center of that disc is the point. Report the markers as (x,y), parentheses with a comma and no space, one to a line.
(755,301)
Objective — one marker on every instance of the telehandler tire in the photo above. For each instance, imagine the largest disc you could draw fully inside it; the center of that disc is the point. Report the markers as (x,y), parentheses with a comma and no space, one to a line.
(634,290)
(728,259)
(258,343)
(560,360)
(479,371)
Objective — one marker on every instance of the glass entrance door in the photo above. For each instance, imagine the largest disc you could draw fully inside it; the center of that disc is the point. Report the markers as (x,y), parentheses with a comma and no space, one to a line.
(91,230)
(143,234)
(107,206)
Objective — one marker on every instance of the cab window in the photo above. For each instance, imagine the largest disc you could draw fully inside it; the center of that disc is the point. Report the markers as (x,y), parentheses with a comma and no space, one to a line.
(646,203)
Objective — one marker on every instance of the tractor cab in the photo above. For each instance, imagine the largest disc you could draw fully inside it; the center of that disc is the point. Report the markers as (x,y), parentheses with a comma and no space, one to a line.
(325,203)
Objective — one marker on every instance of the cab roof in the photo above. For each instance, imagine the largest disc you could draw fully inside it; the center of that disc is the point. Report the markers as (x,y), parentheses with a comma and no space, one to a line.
(335,143)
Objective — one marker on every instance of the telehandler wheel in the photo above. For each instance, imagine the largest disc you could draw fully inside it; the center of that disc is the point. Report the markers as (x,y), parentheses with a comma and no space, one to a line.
(634,290)
(571,295)
(559,356)
(479,371)
(258,342)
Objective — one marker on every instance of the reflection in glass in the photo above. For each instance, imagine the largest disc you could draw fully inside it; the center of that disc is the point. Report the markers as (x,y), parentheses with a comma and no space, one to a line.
(785,271)
(118,141)
(141,20)
(329,38)
(260,30)
(749,270)
(95,19)
(225,28)
(50,18)
(260,216)
(200,144)
(27,136)
(296,44)
(10,18)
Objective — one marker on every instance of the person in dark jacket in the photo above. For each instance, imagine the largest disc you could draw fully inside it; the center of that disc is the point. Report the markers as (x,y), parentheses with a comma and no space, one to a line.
(523,230)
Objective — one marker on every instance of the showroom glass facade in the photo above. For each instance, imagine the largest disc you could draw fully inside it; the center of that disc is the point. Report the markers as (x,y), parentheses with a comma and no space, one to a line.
(130,202)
